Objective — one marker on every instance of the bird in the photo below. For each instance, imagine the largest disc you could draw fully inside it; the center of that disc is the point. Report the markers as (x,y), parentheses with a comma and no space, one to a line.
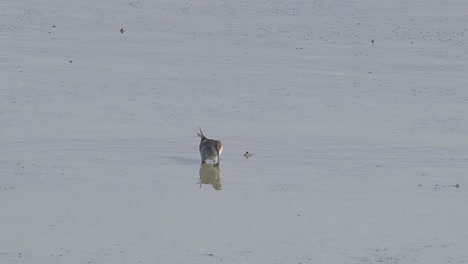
(210,149)
(122,31)
(248,155)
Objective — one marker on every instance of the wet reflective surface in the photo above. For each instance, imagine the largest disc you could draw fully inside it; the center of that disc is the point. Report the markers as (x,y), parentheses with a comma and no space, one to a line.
(210,175)
(360,147)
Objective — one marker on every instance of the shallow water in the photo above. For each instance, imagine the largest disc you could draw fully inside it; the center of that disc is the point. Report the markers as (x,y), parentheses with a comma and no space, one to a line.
(359,146)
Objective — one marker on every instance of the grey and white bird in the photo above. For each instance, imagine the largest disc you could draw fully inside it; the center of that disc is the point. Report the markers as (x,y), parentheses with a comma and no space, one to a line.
(210,149)
(248,155)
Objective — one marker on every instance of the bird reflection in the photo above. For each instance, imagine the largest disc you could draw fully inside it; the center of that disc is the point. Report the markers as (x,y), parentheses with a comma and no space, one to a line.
(210,174)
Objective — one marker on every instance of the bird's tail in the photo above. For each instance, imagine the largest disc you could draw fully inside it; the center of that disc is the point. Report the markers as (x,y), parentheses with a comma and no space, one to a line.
(201,134)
